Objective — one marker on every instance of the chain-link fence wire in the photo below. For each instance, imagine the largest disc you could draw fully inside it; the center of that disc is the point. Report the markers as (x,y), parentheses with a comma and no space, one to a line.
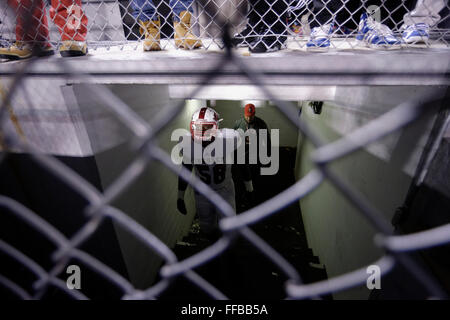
(99,208)
(295,24)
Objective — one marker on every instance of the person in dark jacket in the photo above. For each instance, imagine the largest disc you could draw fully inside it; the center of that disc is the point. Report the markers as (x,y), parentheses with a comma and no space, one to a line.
(251,121)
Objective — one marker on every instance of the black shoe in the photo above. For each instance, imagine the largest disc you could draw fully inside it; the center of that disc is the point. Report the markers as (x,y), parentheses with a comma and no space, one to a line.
(245,37)
(265,44)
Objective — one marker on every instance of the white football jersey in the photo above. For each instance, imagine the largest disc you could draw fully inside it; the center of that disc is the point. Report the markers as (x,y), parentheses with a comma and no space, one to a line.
(212,164)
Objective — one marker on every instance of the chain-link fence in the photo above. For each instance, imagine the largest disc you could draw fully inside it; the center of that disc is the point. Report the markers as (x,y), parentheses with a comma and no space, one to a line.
(261,25)
(396,247)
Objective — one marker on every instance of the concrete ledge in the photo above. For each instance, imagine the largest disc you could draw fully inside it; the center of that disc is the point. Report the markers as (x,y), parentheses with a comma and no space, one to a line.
(129,64)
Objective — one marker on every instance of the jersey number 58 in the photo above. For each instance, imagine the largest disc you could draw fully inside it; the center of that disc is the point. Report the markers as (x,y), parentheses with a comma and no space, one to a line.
(218,173)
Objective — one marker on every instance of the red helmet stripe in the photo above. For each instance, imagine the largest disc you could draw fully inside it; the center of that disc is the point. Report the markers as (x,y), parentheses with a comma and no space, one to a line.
(201,115)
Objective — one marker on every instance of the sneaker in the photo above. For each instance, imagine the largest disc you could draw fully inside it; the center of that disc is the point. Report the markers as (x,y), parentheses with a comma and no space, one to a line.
(374,33)
(363,27)
(71,48)
(376,38)
(22,50)
(264,44)
(245,37)
(320,36)
(416,33)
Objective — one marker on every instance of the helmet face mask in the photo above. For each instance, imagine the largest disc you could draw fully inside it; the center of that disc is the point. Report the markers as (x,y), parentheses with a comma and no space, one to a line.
(204,124)
(203,130)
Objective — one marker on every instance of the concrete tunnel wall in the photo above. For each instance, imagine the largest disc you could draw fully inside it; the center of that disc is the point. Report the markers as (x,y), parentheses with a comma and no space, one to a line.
(151,199)
(382,172)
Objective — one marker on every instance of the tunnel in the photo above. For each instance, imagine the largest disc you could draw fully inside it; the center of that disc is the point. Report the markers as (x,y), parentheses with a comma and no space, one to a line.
(323,235)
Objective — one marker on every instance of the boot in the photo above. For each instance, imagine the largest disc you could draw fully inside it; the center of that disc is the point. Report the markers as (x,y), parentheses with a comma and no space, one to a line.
(152,32)
(184,38)
(71,48)
(24,50)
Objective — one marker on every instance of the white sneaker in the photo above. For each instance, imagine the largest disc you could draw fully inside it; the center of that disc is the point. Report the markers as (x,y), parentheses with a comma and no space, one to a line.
(320,36)
(374,33)
(416,33)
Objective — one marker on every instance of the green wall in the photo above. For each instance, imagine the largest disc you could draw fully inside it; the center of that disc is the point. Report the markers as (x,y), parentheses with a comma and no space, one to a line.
(151,198)
(338,233)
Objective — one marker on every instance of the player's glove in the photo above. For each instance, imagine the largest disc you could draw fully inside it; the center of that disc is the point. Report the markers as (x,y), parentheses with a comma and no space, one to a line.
(180,203)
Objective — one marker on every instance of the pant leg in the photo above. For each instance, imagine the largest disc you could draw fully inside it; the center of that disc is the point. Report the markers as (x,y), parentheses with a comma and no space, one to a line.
(143,10)
(269,14)
(70,19)
(392,11)
(206,213)
(328,11)
(228,194)
(426,11)
(257,9)
(179,6)
(277,16)
(35,29)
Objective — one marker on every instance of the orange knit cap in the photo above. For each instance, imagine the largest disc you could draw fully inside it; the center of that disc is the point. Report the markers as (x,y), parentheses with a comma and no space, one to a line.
(249,109)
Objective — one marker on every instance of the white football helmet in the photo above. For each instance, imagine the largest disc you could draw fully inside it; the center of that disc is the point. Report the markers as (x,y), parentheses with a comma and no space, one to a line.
(204,124)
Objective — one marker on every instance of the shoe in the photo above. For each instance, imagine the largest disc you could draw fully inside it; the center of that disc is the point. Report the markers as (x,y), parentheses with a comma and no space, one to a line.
(416,33)
(71,48)
(245,37)
(363,27)
(265,43)
(151,31)
(374,33)
(320,36)
(21,50)
(377,38)
(184,38)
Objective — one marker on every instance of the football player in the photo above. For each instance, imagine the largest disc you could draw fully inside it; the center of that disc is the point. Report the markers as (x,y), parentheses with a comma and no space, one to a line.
(205,133)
